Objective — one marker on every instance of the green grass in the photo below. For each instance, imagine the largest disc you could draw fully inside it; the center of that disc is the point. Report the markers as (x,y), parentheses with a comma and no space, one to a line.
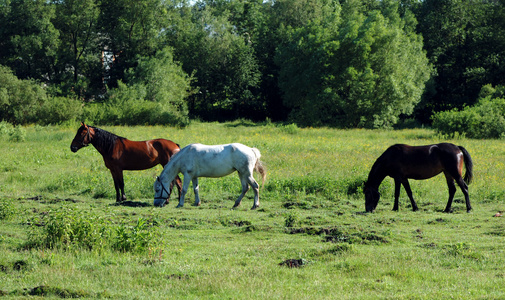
(62,234)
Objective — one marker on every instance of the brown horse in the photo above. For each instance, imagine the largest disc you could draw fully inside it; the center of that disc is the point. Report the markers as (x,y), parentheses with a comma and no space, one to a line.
(122,154)
(402,162)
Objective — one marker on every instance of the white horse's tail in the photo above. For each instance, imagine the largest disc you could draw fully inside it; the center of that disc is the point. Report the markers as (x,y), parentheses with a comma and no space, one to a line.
(259,167)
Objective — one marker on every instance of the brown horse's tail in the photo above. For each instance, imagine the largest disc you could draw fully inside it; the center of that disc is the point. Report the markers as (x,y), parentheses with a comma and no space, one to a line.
(259,167)
(468,164)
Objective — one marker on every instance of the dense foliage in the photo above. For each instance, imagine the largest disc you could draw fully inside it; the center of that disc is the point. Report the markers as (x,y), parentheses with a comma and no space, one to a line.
(344,63)
(485,119)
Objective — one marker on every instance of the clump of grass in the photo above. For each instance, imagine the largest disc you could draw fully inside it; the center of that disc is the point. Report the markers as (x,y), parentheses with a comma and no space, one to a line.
(18,134)
(291,219)
(133,239)
(70,230)
(53,291)
(290,128)
(7,209)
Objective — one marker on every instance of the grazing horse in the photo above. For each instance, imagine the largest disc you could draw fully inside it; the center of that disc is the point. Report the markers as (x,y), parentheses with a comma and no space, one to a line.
(402,162)
(197,160)
(122,154)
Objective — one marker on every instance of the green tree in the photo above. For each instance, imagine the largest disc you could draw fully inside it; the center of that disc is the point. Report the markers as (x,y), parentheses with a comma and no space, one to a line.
(130,29)
(164,82)
(222,61)
(464,41)
(28,39)
(76,21)
(365,74)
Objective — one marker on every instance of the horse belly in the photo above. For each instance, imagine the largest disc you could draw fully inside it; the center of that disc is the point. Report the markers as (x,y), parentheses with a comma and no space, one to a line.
(215,172)
(422,171)
(138,161)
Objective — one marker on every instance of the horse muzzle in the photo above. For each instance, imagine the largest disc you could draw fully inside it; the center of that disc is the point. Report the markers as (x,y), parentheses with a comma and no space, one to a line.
(159,202)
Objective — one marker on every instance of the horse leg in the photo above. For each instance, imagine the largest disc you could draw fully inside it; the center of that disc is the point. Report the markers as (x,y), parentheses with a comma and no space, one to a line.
(117,176)
(121,186)
(406,185)
(256,189)
(178,183)
(245,188)
(464,189)
(452,191)
(398,185)
(196,189)
(185,187)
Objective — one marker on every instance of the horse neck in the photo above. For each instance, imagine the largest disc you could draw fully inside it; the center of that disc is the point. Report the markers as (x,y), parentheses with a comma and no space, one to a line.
(104,141)
(376,175)
(170,171)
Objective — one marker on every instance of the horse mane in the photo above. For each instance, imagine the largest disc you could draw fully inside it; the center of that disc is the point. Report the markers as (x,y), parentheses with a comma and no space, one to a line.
(105,140)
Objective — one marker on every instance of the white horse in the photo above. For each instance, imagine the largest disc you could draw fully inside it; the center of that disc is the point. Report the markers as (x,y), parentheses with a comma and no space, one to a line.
(197,160)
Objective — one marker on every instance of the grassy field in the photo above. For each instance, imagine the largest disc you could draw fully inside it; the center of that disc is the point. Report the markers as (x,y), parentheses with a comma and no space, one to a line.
(62,234)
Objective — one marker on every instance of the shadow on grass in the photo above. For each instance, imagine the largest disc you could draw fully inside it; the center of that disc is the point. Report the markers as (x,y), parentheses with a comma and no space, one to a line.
(131,204)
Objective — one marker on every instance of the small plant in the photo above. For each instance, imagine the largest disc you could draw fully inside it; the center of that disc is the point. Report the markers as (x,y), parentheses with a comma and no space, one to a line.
(291,219)
(134,239)
(18,134)
(69,230)
(290,129)
(6,128)
(7,209)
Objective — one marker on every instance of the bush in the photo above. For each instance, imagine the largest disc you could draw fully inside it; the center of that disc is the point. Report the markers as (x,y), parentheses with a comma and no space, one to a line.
(25,101)
(486,119)
(59,109)
(154,94)
(69,230)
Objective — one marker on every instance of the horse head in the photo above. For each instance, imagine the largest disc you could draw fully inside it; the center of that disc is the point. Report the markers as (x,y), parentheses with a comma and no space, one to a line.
(372,197)
(82,138)
(159,190)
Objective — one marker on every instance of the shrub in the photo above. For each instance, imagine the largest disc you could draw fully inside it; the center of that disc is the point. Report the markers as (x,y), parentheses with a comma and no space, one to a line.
(486,119)
(25,101)
(18,134)
(68,230)
(134,239)
(59,109)
(19,99)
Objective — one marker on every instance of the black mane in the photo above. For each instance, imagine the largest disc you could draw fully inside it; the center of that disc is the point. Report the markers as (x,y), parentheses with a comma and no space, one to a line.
(104,140)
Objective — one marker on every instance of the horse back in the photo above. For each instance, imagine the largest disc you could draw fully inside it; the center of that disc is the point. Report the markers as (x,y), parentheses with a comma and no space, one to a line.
(140,155)
(420,162)
(217,160)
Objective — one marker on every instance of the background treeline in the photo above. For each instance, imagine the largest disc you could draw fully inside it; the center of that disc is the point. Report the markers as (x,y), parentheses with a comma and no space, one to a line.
(354,63)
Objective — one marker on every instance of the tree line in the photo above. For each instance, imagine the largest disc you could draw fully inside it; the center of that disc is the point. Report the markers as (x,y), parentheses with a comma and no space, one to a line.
(342,63)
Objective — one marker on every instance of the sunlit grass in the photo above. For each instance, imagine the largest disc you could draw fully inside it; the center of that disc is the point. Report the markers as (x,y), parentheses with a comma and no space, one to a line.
(313,186)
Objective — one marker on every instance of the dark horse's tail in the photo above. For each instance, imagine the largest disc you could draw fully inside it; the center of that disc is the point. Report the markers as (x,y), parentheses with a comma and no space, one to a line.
(468,164)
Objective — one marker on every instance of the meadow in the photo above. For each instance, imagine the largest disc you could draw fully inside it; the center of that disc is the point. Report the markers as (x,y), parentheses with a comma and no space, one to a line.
(62,234)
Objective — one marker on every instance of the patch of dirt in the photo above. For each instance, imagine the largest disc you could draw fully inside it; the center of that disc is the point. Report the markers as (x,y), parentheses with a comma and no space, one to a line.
(50,201)
(178,276)
(45,290)
(337,235)
(293,263)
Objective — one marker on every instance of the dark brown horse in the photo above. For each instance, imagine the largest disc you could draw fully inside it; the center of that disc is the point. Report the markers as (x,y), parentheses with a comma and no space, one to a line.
(402,162)
(122,154)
